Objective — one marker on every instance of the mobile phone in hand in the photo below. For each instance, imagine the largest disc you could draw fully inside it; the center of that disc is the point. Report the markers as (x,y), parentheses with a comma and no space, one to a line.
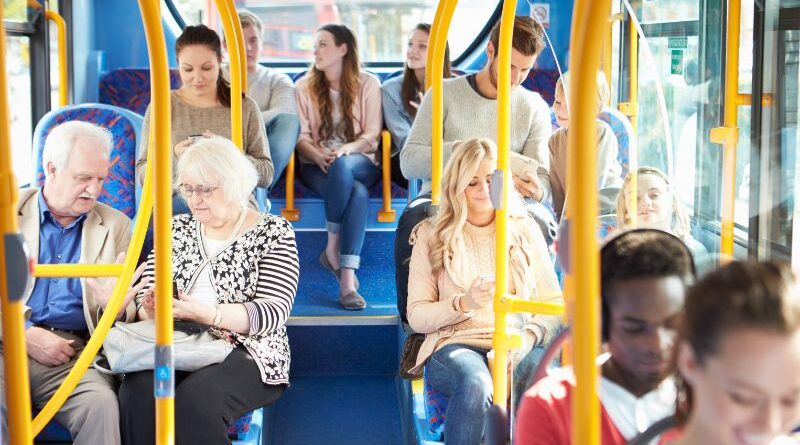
(174,290)
(195,137)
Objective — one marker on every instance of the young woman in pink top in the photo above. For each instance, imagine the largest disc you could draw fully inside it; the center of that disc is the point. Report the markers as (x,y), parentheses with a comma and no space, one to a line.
(340,120)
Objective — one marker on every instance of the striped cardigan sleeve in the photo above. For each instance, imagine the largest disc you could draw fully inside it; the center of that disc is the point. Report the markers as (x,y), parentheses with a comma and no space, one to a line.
(279,272)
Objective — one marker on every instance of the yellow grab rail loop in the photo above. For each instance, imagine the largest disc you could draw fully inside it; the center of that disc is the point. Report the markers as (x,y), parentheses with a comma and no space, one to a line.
(63,80)
(15,363)
(238,79)
(438,41)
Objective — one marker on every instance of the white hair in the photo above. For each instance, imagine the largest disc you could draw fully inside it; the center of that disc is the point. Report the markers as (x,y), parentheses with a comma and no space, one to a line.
(218,159)
(61,140)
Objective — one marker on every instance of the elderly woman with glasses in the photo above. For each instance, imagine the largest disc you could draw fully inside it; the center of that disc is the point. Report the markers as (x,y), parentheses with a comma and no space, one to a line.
(236,270)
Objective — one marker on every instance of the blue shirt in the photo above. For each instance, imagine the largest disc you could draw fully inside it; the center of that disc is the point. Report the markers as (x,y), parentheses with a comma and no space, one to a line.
(57,302)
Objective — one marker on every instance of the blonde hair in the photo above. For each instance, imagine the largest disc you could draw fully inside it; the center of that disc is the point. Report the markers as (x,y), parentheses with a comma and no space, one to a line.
(247,18)
(680,220)
(449,221)
(603,90)
(217,158)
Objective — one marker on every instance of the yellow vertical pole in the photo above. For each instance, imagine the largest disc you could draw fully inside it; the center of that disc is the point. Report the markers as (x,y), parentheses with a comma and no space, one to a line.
(500,342)
(228,17)
(164,372)
(589,20)
(441,24)
(432,39)
(728,134)
(237,30)
(61,28)
(15,357)
(290,212)
(386,214)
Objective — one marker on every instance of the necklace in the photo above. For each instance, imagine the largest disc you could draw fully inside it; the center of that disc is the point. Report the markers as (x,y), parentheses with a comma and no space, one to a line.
(236,228)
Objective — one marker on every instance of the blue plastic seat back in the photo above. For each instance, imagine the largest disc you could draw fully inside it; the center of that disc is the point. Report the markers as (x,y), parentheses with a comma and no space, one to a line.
(435,406)
(129,88)
(542,82)
(119,190)
(623,131)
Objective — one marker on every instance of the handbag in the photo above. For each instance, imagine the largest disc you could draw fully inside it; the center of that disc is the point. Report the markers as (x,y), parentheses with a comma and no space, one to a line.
(409,357)
(129,347)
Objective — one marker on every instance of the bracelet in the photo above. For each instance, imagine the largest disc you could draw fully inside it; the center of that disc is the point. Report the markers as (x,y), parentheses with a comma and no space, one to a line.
(217,316)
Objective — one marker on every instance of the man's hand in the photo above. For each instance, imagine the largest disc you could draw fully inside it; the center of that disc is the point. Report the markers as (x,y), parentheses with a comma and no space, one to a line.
(102,292)
(48,348)
(529,186)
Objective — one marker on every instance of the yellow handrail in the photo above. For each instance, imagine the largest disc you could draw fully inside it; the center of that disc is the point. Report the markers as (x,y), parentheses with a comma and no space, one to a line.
(15,362)
(387,214)
(63,85)
(229,20)
(588,20)
(161,121)
(501,342)
(728,134)
(76,270)
(289,211)
(631,110)
(608,47)
(438,41)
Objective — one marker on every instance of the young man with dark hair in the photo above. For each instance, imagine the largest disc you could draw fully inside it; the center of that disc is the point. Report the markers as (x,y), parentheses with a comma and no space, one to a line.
(644,275)
(470,111)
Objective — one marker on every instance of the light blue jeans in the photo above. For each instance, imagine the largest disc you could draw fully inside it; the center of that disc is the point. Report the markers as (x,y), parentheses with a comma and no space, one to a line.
(345,189)
(282,132)
(461,372)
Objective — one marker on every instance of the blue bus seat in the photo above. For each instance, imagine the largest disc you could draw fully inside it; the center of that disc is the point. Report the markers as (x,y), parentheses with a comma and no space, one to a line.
(247,430)
(623,131)
(542,82)
(129,88)
(119,190)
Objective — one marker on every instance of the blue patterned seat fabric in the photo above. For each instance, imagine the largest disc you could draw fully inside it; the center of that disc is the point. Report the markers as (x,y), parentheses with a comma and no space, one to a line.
(623,131)
(435,407)
(125,126)
(129,88)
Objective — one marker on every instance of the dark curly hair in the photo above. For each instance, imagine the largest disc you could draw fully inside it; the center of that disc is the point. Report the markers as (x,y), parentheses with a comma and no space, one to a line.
(641,253)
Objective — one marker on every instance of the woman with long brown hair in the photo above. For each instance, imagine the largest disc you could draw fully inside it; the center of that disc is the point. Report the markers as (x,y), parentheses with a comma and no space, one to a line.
(403,94)
(340,120)
(201,107)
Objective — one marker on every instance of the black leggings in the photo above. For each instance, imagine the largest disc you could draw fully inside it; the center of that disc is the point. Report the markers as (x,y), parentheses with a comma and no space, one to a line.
(206,401)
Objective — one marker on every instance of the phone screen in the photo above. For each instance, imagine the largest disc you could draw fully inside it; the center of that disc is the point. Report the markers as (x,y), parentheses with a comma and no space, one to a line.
(174,290)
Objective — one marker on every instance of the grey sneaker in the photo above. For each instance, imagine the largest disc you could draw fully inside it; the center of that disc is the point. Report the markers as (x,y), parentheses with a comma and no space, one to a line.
(323,260)
(352,301)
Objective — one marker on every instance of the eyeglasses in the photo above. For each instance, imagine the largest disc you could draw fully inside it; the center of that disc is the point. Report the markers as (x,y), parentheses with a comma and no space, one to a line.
(201,190)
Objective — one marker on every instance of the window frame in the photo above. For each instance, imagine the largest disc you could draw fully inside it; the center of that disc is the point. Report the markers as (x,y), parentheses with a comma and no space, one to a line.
(477,43)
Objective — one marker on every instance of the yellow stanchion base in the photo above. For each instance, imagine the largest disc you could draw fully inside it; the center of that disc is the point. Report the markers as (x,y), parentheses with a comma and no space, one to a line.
(387,216)
(291,214)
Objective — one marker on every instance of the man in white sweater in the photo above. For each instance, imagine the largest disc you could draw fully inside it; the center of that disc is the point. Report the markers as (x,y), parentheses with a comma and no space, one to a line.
(273,91)
(469,111)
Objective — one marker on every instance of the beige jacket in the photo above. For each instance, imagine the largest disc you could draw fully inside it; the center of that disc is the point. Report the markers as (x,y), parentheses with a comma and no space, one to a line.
(106,233)
(430,298)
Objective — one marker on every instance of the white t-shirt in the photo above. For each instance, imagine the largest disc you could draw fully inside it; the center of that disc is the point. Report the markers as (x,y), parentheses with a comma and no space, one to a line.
(632,415)
(202,290)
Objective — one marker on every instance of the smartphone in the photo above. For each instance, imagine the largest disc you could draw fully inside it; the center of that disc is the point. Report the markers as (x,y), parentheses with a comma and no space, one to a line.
(195,137)
(174,290)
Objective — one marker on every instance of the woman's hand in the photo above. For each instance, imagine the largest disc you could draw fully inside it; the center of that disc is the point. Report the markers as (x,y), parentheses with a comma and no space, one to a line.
(323,157)
(148,309)
(416,104)
(479,294)
(184,308)
(347,149)
(529,186)
(102,292)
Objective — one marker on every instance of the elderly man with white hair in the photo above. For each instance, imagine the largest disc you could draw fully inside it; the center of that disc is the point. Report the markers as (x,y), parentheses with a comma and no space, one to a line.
(63,223)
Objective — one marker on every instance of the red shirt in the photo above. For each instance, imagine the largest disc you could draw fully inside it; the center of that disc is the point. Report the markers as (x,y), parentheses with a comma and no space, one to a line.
(544,416)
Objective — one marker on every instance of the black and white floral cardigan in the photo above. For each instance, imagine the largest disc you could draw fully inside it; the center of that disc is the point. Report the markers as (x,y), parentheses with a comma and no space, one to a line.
(259,269)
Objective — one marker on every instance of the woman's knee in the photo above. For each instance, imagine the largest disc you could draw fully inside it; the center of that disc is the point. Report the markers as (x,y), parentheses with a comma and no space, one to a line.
(359,191)
(340,171)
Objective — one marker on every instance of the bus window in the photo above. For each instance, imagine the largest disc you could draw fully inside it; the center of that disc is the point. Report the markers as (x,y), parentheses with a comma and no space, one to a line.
(15,11)
(381,29)
(19,94)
